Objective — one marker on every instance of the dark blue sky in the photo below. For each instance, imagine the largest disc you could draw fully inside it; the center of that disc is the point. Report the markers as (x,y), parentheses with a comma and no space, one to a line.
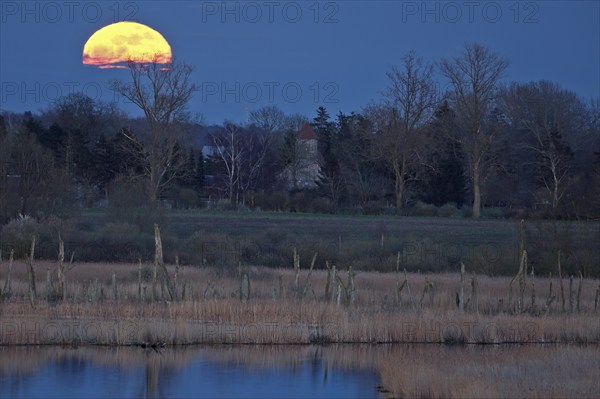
(294,54)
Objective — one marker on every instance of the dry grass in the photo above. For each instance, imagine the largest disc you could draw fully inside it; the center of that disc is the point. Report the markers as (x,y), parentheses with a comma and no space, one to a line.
(211,310)
(491,372)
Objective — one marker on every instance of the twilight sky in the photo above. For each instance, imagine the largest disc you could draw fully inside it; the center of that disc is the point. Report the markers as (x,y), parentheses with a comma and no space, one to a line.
(297,55)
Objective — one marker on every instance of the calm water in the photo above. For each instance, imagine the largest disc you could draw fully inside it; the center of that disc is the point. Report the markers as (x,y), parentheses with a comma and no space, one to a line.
(265,372)
(332,371)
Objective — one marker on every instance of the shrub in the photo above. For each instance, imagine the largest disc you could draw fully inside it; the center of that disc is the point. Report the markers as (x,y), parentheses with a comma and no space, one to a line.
(187,198)
(17,235)
(277,201)
(467,212)
(225,205)
(210,248)
(117,242)
(495,213)
(423,209)
(447,210)
(322,205)
(298,202)
(373,207)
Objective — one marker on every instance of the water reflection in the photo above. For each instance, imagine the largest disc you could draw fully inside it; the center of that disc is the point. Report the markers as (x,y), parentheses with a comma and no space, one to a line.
(343,371)
(220,371)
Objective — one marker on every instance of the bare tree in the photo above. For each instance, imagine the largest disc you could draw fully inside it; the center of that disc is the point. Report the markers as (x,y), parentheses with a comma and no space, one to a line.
(474,76)
(162,92)
(271,122)
(270,119)
(551,116)
(229,151)
(294,122)
(408,104)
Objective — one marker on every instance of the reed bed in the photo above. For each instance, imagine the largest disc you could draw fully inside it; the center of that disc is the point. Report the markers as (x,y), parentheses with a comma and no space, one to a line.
(211,311)
(533,371)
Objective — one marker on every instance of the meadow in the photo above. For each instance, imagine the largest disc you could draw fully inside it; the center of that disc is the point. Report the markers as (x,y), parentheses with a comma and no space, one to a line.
(368,243)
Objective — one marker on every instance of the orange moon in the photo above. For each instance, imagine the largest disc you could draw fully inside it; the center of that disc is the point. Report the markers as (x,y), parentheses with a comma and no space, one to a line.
(116,44)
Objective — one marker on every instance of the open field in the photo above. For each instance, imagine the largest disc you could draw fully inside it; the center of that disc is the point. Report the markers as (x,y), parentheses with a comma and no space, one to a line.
(224,239)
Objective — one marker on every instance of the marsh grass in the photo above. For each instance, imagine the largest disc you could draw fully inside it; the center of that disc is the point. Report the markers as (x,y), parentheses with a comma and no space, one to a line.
(491,372)
(105,300)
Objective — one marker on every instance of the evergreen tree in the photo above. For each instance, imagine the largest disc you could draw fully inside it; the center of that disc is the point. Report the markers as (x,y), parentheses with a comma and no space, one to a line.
(104,162)
(326,136)
(188,174)
(447,183)
(121,152)
(3,130)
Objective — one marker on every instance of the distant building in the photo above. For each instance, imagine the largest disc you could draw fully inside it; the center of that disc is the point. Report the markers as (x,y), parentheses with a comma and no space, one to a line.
(303,172)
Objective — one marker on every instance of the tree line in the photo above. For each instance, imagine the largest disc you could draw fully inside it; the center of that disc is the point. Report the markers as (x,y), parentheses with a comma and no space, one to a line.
(524,148)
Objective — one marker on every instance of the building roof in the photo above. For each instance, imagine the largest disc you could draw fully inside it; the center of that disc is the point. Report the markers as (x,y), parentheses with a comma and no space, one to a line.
(306,133)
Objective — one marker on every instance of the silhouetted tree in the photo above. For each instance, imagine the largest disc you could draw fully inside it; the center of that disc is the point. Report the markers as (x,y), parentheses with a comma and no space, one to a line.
(548,114)
(162,93)
(474,76)
(446,182)
(398,137)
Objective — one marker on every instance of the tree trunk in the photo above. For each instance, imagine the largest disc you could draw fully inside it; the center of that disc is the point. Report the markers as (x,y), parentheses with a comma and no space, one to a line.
(399,188)
(476,192)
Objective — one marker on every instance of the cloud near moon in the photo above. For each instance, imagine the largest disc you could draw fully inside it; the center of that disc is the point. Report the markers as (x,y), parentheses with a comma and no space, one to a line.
(116,44)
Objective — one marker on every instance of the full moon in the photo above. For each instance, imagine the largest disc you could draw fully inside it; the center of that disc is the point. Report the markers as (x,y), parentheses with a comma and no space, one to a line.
(116,44)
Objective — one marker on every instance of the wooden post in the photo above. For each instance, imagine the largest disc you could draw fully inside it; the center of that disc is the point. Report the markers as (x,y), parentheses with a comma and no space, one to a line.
(579,291)
(562,288)
(328,281)
(6,292)
(31,272)
(49,287)
(158,262)
(474,298)
(350,293)
(334,284)
(114,286)
(551,297)
(533,306)
(175,284)
(308,284)
(61,268)
(140,279)
(522,280)
(408,289)
(280,286)
(245,287)
(571,295)
(461,292)
(297,271)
